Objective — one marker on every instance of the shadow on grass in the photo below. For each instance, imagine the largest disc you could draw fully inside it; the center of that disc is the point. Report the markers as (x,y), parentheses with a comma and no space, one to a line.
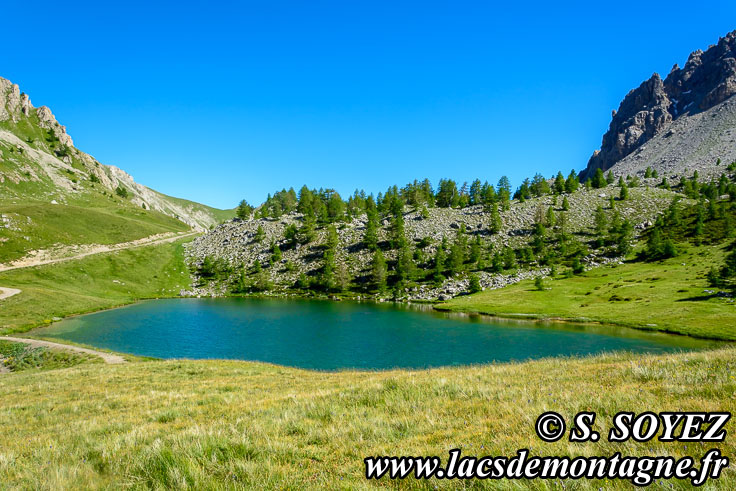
(699,298)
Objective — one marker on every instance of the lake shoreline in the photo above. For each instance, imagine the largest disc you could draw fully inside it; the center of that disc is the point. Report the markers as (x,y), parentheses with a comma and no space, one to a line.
(541,318)
(344,335)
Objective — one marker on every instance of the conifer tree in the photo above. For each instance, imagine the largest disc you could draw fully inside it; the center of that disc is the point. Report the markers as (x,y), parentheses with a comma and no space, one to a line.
(488,196)
(728,270)
(342,277)
(398,238)
(275,252)
(572,183)
(669,248)
(474,284)
(475,193)
(539,185)
(457,256)
(329,266)
(447,194)
(306,232)
(600,226)
(378,271)
(550,220)
(623,239)
(654,244)
(241,284)
(207,268)
(370,238)
(562,227)
(244,210)
(672,215)
(509,258)
(497,263)
(290,235)
(331,240)
(260,234)
(598,180)
(503,189)
(405,267)
(559,186)
(727,225)
(302,281)
(495,223)
(699,223)
(475,250)
(439,266)
(538,238)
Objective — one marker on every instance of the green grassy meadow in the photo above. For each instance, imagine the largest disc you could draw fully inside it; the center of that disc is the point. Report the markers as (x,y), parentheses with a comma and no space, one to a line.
(92,283)
(668,295)
(235,425)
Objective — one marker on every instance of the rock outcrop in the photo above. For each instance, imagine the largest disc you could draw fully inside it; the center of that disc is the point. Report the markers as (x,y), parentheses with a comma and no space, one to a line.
(47,121)
(707,80)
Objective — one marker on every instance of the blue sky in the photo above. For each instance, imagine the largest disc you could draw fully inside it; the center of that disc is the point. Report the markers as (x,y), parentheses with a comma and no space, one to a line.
(218,101)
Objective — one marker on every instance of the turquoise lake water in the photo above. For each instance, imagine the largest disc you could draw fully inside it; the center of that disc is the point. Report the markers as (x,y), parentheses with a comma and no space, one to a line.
(339,335)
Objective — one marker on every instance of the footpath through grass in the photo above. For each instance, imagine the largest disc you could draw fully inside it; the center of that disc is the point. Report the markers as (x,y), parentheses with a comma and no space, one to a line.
(670,295)
(92,283)
(222,424)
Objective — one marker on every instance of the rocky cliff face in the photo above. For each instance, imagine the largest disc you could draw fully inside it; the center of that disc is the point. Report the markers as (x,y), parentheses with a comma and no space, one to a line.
(707,80)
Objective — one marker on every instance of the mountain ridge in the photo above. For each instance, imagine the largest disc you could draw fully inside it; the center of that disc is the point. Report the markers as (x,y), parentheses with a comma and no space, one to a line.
(706,81)
(38,149)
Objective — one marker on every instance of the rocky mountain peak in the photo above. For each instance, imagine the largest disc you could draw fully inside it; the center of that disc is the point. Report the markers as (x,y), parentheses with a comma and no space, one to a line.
(707,79)
(15,104)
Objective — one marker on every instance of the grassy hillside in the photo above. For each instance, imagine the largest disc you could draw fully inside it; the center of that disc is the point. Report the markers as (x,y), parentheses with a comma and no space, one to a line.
(39,225)
(52,193)
(218,214)
(92,283)
(38,212)
(673,295)
(220,424)
(670,295)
